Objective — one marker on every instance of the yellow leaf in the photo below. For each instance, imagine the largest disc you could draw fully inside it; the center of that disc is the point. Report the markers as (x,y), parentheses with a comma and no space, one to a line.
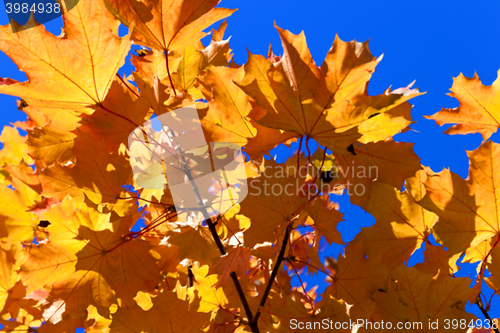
(468,210)
(231,117)
(329,104)
(326,217)
(401,225)
(168,315)
(479,110)
(388,161)
(82,66)
(16,223)
(8,274)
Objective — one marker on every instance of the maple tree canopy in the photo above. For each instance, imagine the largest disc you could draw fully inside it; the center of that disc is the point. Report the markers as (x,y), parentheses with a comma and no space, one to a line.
(71,253)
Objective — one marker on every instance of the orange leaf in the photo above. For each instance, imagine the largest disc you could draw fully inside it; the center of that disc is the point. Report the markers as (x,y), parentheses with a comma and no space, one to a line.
(468,210)
(478,111)
(329,104)
(82,66)
(168,24)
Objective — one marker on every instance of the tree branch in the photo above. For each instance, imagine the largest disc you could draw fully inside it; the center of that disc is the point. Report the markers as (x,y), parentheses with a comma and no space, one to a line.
(213,230)
(246,307)
(208,220)
(199,201)
(276,268)
(220,246)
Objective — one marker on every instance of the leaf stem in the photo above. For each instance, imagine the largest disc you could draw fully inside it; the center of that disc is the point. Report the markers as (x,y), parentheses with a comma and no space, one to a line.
(276,268)
(298,153)
(126,85)
(321,167)
(168,72)
(308,152)
(480,276)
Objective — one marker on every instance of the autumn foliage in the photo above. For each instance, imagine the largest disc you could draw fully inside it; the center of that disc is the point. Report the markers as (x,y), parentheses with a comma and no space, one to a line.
(69,197)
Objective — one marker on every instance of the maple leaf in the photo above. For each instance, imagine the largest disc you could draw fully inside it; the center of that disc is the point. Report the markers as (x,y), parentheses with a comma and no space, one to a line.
(195,59)
(188,69)
(326,216)
(236,260)
(14,147)
(17,224)
(275,209)
(169,314)
(120,113)
(356,281)
(415,297)
(48,145)
(437,262)
(96,173)
(494,280)
(204,293)
(478,111)
(330,103)
(194,243)
(86,242)
(168,24)
(155,84)
(80,63)
(401,225)
(230,115)
(467,209)
(151,76)
(9,275)
(304,250)
(385,161)
(85,262)
(291,315)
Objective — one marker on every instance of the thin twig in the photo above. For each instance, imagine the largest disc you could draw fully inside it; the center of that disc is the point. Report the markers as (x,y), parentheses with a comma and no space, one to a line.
(276,268)
(246,307)
(199,201)
(311,301)
(190,277)
(485,313)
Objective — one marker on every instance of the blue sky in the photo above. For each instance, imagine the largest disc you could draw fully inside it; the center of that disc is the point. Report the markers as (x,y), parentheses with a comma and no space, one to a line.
(426,41)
